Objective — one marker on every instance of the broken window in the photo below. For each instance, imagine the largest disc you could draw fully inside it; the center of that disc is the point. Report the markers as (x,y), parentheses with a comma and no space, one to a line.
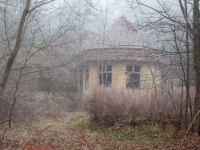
(133,76)
(105,76)
(86,78)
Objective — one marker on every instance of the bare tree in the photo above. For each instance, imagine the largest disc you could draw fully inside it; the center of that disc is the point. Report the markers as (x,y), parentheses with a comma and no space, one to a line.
(40,44)
(184,29)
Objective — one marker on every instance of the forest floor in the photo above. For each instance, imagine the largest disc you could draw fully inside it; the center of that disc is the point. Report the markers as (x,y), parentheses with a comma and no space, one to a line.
(74,132)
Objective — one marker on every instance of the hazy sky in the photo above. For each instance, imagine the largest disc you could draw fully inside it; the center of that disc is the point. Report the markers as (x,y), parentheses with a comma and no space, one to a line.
(116,8)
(119,7)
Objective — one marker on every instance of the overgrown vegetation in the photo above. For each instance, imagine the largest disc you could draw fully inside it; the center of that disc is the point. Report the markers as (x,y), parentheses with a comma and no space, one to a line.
(73,131)
(108,107)
(43,48)
(38,106)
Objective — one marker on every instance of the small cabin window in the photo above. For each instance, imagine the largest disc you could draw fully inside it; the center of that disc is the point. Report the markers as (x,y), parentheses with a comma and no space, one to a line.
(87,78)
(133,76)
(105,76)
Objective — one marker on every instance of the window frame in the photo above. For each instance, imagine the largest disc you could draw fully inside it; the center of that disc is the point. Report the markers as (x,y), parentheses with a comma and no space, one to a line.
(135,71)
(106,71)
(87,76)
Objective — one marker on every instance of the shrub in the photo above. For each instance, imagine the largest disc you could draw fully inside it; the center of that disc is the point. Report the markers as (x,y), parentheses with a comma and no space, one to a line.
(34,107)
(108,107)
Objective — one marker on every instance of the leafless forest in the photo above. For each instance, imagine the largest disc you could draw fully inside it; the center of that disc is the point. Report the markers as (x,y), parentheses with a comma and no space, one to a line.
(49,50)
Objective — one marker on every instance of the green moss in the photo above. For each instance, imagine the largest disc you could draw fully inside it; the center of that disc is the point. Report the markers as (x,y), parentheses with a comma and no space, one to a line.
(80,126)
(138,121)
(141,136)
(108,149)
(90,127)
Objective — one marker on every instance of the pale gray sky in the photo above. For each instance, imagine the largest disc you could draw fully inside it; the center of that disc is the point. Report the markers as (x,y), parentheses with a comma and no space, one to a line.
(116,8)
(119,7)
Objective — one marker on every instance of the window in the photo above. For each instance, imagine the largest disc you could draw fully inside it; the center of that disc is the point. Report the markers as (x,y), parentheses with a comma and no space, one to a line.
(105,76)
(133,76)
(86,78)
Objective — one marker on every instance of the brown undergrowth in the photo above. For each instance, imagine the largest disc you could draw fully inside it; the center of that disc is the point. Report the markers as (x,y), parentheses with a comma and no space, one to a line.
(108,107)
(73,131)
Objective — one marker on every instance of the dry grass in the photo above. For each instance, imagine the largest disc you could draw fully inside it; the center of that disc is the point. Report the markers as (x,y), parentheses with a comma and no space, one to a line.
(73,132)
(37,106)
(108,107)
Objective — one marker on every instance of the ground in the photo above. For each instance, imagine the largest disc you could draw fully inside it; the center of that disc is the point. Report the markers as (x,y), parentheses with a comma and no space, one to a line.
(74,132)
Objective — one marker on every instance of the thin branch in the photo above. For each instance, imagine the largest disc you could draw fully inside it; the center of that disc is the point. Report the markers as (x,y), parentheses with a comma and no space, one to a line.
(190,127)
(37,135)
(83,137)
(3,135)
(5,121)
(40,5)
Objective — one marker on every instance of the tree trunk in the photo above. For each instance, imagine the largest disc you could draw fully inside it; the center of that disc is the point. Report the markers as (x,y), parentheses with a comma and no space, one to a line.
(14,53)
(187,67)
(196,58)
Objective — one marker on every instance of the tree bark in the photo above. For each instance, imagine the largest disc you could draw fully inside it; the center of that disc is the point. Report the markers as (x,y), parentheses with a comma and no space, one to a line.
(187,67)
(196,58)
(15,50)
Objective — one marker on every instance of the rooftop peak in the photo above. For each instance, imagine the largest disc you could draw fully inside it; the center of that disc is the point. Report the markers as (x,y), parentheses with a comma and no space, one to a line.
(122,33)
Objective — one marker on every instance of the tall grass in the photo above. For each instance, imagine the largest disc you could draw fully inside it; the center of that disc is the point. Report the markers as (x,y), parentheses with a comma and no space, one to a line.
(30,108)
(110,106)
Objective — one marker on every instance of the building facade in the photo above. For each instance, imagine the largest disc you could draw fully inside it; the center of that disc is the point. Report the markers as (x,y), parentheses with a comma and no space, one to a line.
(119,61)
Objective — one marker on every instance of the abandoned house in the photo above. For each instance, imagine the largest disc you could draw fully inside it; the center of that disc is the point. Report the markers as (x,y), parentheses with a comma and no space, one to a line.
(118,61)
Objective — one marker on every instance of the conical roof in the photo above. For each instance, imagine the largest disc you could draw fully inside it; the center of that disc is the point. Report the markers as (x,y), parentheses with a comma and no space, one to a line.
(120,42)
(122,34)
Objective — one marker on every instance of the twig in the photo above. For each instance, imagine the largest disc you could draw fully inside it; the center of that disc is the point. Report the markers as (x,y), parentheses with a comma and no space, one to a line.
(190,127)
(83,137)
(5,130)
(3,134)
(5,121)
(193,146)
(37,135)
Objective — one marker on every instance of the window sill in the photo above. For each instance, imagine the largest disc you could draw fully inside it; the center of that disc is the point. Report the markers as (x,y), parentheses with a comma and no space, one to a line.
(134,88)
